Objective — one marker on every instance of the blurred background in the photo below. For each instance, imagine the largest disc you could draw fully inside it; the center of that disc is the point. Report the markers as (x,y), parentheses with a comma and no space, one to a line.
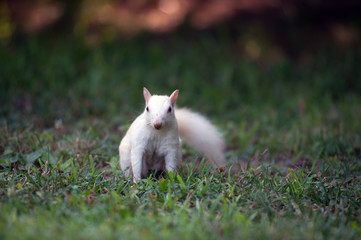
(229,58)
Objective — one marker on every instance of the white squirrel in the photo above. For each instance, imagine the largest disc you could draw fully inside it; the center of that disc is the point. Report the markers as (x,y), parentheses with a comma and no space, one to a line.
(153,139)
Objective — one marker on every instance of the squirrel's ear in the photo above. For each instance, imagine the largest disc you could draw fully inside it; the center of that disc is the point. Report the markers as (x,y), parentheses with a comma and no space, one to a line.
(173,97)
(146,95)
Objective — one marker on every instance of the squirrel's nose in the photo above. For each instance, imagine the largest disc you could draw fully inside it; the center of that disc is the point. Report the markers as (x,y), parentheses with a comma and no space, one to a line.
(157,125)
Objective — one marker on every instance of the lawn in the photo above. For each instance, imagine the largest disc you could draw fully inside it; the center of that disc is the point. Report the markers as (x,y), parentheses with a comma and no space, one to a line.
(291,126)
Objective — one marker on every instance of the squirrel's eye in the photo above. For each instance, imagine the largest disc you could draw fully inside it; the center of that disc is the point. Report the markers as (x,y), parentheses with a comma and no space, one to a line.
(169,109)
(147,108)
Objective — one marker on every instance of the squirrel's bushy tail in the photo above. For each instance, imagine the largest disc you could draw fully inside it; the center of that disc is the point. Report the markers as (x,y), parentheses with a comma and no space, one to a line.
(200,133)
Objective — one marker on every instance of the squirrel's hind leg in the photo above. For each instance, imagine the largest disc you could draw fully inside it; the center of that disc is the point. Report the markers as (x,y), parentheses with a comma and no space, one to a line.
(124,159)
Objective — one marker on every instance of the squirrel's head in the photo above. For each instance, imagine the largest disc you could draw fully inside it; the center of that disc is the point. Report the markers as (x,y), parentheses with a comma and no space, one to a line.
(159,110)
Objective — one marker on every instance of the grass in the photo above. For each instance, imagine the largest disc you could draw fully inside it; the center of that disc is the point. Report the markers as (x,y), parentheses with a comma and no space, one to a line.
(291,127)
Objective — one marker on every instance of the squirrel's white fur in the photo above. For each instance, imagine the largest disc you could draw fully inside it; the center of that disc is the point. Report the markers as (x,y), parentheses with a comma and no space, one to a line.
(152,141)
